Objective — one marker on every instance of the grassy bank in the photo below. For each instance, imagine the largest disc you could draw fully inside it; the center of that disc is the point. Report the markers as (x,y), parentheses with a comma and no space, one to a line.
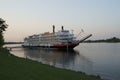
(13,68)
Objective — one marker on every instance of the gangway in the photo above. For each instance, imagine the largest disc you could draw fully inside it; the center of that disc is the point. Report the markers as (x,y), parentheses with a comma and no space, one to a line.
(12,47)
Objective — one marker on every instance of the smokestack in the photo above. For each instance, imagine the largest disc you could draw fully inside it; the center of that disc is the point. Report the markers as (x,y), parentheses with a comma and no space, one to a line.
(62,28)
(53,28)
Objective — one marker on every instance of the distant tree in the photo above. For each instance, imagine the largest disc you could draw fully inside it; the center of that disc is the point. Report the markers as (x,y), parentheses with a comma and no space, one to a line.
(3,27)
(114,39)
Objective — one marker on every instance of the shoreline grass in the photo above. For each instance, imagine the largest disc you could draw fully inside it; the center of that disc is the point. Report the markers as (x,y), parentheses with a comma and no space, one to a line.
(14,68)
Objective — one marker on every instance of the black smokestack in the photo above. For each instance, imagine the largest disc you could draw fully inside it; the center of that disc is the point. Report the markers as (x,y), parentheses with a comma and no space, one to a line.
(62,28)
(53,28)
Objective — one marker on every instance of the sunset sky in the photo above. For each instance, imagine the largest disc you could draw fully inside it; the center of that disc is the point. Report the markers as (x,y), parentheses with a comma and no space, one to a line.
(27,17)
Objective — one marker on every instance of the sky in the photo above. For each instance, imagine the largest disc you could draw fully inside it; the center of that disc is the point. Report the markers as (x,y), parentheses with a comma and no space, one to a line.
(27,17)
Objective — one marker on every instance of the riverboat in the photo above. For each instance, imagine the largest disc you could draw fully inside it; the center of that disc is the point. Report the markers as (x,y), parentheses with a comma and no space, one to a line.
(62,39)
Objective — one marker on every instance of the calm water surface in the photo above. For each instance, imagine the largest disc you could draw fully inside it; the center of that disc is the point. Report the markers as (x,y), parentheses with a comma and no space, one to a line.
(92,58)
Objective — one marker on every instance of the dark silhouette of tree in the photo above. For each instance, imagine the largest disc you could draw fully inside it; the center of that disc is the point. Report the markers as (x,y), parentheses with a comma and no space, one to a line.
(3,27)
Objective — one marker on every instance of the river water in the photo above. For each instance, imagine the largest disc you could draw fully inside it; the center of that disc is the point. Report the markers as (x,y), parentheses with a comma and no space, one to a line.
(92,58)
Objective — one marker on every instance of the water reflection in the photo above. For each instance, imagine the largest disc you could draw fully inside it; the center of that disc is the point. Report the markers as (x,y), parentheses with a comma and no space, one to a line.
(92,58)
(63,59)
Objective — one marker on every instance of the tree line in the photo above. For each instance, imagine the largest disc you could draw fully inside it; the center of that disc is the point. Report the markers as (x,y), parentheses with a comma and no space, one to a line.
(113,39)
(3,27)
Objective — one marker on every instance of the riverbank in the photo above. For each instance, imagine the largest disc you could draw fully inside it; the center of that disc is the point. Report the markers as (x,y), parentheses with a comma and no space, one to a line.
(12,67)
(110,40)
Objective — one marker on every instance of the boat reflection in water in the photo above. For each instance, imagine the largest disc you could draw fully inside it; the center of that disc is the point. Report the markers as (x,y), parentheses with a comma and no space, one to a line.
(63,59)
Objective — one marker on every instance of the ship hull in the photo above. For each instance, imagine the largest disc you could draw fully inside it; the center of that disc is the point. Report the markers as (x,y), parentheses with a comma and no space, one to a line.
(57,46)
